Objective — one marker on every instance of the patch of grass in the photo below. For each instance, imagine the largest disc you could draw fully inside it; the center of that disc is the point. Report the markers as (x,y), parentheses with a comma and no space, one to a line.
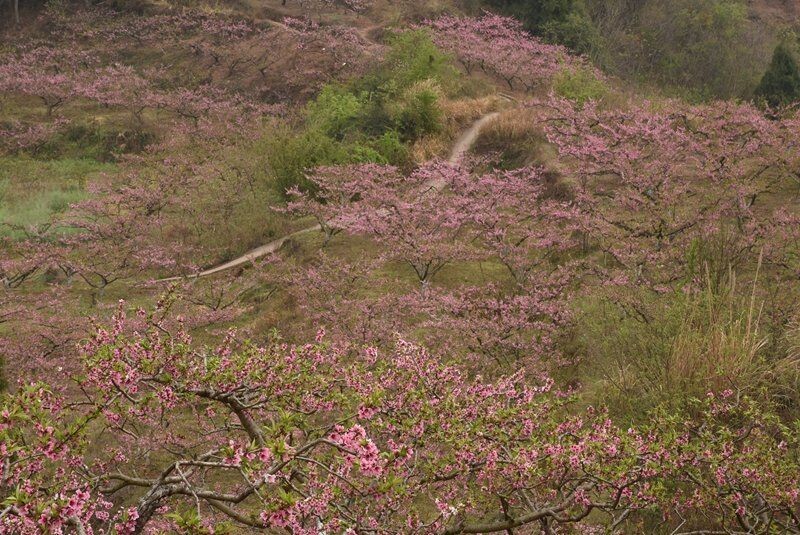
(82,141)
(33,191)
(668,348)
(39,209)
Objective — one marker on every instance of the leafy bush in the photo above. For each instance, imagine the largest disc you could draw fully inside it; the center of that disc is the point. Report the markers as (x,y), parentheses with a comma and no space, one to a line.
(420,114)
(580,85)
(376,117)
(538,13)
(391,148)
(576,31)
(289,156)
(370,120)
(359,153)
(413,58)
(564,22)
(87,141)
(335,111)
(696,48)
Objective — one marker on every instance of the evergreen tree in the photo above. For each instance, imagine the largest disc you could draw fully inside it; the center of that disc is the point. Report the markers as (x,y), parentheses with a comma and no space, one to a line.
(781,83)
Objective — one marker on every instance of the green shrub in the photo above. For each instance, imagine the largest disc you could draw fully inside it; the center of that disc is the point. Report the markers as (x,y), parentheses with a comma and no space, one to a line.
(700,48)
(359,153)
(565,22)
(335,112)
(412,58)
(420,114)
(575,31)
(537,13)
(580,84)
(375,118)
(369,120)
(391,148)
(80,141)
(290,156)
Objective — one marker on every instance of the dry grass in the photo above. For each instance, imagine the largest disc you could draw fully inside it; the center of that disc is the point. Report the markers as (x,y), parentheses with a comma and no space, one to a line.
(519,139)
(514,124)
(457,116)
(720,338)
(457,112)
(721,343)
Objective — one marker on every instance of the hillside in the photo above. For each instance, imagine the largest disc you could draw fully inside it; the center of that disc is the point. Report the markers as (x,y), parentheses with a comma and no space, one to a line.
(776,11)
(383,267)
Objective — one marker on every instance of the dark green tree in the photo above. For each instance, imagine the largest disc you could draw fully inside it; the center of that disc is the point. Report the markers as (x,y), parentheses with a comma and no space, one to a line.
(781,83)
(565,22)
(536,13)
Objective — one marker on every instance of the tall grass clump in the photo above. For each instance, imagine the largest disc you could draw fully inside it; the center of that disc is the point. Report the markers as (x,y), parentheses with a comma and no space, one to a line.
(681,346)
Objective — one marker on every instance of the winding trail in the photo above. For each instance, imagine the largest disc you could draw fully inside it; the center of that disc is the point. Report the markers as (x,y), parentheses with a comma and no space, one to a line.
(468,138)
(462,145)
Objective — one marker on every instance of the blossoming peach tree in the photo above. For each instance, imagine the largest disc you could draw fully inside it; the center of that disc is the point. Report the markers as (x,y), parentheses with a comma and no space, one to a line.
(338,438)
(500,47)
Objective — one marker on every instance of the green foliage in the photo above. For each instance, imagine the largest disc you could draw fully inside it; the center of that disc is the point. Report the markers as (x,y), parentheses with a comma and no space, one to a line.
(420,114)
(565,22)
(780,85)
(576,31)
(412,75)
(625,354)
(699,49)
(580,85)
(366,154)
(86,141)
(189,522)
(370,120)
(412,58)
(538,13)
(334,112)
(644,350)
(701,44)
(391,147)
(290,155)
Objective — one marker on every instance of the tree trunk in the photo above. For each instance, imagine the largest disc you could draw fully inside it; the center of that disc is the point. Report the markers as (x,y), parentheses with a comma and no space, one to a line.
(16,11)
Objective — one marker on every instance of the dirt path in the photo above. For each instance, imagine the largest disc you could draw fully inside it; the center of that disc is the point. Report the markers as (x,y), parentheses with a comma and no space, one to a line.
(468,138)
(461,146)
